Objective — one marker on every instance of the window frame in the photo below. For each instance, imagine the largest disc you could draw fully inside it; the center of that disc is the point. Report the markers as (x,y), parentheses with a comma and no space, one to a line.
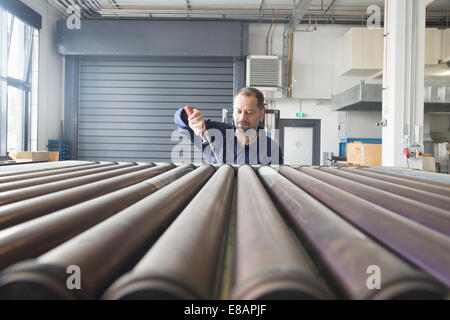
(24,85)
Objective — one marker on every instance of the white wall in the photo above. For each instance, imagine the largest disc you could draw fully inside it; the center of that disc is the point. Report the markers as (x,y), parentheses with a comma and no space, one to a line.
(316,75)
(51,74)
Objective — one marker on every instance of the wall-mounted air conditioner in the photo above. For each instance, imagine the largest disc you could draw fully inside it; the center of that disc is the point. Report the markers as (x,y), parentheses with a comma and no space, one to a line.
(264,72)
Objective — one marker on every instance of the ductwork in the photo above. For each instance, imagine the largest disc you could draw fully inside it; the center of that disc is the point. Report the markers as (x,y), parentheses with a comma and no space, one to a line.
(368,97)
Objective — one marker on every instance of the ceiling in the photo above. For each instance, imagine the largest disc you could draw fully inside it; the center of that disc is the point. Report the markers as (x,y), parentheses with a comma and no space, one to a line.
(323,11)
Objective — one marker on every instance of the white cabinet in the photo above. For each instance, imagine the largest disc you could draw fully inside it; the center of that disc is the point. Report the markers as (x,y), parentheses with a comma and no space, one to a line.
(445,47)
(362,52)
(433,40)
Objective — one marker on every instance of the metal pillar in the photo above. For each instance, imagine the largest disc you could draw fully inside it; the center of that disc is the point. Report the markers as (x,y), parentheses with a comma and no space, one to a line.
(3,82)
(403,80)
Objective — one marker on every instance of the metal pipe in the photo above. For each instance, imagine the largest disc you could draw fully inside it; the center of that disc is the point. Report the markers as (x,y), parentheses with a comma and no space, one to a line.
(432,217)
(408,177)
(47,173)
(120,241)
(345,252)
(425,248)
(269,263)
(403,182)
(146,8)
(34,191)
(35,237)
(184,262)
(43,167)
(14,185)
(407,192)
(267,36)
(250,10)
(18,212)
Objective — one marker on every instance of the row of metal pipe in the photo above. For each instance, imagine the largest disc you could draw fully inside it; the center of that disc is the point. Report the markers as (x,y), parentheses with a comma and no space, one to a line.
(146,231)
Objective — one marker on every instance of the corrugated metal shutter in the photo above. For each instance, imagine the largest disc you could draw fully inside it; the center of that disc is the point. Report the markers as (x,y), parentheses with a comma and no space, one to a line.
(127,105)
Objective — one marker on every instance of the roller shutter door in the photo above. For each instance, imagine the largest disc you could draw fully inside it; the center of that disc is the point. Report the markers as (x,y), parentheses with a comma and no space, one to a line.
(127,105)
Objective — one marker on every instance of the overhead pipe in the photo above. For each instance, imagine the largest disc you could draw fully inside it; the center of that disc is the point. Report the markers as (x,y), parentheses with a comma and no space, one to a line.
(298,13)
(18,212)
(424,247)
(273,31)
(345,252)
(185,261)
(403,182)
(267,36)
(33,238)
(407,192)
(432,217)
(44,167)
(124,9)
(56,171)
(407,177)
(268,263)
(34,191)
(120,240)
(14,185)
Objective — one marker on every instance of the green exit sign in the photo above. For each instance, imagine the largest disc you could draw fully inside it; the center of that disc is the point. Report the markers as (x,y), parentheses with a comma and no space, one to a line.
(300,115)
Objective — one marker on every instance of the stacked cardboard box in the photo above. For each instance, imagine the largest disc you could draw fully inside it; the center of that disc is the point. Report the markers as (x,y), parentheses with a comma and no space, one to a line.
(364,154)
(33,156)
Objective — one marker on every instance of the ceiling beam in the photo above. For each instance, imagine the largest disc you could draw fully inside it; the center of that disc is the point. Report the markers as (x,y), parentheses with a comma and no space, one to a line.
(329,7)
(187,9)
(260,10)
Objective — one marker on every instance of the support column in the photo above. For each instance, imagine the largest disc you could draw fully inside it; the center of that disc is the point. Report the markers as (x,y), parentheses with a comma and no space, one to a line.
(403,80)
(3,80)
(71,103)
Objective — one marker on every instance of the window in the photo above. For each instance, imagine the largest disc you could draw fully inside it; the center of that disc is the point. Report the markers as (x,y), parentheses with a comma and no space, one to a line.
(18,84)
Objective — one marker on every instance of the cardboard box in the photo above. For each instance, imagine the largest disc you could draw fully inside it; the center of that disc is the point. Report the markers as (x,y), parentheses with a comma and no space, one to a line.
(54,156)
(429,164)
(30,156)
(364,154)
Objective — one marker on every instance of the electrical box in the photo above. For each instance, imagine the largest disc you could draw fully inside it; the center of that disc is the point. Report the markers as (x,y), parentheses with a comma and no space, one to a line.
(359,124)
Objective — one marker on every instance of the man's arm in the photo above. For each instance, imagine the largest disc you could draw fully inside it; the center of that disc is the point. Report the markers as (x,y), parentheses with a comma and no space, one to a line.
(181,120)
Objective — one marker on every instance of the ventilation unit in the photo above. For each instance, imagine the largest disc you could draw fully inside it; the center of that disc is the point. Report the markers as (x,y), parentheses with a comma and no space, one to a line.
(264,72)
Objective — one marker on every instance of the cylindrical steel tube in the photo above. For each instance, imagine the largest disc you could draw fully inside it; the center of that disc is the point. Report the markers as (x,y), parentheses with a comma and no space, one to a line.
(403,182)
(26,176)
(7,171)
(424,247)
(408,177)
(18,212)
(35,237)
(344,252)
(269,263)
(432,217)
(14,185)
(184,262)
(407,192)
(105,251)
(34,191)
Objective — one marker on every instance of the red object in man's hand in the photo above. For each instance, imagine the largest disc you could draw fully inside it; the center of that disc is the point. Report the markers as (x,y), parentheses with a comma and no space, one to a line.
(188,110)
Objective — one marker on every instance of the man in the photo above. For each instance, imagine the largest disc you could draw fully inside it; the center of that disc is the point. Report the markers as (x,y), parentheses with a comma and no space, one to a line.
(243,142)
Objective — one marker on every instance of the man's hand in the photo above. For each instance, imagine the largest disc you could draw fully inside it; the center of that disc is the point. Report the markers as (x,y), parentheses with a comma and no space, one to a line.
(197,122)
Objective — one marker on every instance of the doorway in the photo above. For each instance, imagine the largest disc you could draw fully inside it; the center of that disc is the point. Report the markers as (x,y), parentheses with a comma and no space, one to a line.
(300,141)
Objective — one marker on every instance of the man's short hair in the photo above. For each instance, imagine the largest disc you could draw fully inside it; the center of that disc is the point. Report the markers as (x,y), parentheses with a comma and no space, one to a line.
(253,92)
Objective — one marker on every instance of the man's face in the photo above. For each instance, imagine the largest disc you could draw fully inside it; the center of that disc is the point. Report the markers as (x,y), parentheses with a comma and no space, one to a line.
(246,113)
